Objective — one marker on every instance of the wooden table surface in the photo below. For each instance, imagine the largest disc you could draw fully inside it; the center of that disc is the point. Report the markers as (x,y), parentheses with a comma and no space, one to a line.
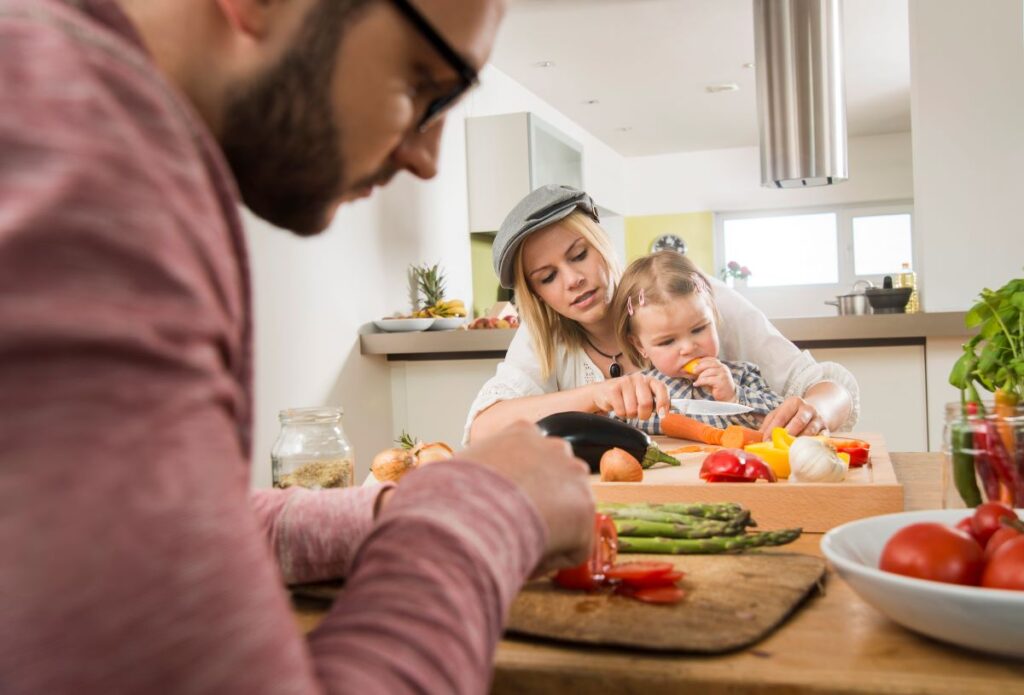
(835,643)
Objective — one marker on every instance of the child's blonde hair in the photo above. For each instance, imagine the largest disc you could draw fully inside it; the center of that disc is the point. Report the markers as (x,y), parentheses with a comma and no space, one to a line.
(549,329)
(662,277)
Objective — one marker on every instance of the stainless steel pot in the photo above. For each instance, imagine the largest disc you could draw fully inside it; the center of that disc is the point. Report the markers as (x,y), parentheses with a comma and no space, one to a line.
(852,304)
(855,303)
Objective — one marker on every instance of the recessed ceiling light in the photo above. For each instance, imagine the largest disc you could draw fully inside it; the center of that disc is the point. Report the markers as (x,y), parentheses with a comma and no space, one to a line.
(748,65)
(544,64)
(722,87)
(591,102)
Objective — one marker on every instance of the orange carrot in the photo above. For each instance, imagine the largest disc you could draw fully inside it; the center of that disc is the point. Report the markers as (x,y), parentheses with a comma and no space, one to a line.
(682,427)
(733,437)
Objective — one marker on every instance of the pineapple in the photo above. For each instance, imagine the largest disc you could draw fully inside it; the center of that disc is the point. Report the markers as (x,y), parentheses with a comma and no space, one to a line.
(430,284)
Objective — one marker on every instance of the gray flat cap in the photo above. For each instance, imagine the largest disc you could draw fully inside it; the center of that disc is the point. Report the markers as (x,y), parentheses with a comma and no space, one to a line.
(546,205)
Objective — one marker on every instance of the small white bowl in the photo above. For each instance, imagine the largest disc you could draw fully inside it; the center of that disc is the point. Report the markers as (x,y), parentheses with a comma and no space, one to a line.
(446,324)
(403,325)
(989,620)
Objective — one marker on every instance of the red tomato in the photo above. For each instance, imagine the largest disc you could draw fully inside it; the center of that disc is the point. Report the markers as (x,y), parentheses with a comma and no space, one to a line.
(667,579)
(986,519)
(998,538)
(966,526)
(933,551)
(734,465)
(638,570)
(660,594)
(589,575)
(1006,568)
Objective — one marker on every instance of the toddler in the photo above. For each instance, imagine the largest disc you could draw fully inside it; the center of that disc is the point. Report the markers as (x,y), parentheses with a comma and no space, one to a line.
(665,320)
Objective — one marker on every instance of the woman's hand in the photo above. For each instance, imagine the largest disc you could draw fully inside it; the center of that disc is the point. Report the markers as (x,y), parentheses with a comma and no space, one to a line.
(631,396)
(714,376)
(797,416)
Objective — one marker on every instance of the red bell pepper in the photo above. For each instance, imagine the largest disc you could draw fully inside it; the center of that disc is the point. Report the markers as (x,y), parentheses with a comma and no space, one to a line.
(858,450)
(735,466)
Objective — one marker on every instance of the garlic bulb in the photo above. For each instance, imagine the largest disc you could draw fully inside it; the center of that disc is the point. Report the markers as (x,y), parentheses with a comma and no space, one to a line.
(814,461)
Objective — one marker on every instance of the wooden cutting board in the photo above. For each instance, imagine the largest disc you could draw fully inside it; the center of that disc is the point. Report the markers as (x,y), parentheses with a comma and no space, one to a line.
(732,601)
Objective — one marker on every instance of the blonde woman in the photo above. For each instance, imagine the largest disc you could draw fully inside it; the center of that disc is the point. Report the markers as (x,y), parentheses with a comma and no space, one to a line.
(553,252)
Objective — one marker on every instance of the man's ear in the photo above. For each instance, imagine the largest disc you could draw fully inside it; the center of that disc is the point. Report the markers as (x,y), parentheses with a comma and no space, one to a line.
(249,17)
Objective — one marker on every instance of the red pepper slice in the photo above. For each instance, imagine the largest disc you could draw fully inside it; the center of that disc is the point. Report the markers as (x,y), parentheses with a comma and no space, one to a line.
(735,465)
(858,455)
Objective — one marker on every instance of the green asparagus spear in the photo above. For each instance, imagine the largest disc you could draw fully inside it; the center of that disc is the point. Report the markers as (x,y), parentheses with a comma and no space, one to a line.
(701,546)
(723,511)
(699,528)
(646,513)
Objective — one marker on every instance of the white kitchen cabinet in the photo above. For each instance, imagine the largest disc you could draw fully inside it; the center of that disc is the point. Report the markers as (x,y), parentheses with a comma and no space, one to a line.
(893,391)
(509,155)
(430,399)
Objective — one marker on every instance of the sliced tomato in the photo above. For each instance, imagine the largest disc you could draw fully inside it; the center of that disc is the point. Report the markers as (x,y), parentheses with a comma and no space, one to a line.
(579,578)
(591,574)
(667,579)
(660,594)
(639,570)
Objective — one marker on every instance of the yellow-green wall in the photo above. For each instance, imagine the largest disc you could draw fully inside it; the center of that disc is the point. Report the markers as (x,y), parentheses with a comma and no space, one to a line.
(695,228)
(485,282)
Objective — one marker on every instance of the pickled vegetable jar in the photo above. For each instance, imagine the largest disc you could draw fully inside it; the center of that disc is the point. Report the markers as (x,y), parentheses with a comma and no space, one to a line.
(983,450)
(311,450)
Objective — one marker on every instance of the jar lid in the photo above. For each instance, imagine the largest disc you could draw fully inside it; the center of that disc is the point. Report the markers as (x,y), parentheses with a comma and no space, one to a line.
(322,414)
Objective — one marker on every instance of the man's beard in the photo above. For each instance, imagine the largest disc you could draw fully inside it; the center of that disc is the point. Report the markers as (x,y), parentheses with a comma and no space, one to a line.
(280,136)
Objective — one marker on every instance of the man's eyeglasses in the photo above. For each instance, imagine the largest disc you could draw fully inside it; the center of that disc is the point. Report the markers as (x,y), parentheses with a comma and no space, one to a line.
(467,75)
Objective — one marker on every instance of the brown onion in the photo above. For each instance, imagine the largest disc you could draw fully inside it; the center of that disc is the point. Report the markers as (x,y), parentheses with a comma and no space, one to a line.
(391,464)
(620,466)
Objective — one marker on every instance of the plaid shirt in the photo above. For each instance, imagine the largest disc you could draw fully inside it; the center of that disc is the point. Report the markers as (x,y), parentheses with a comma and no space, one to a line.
(751,390)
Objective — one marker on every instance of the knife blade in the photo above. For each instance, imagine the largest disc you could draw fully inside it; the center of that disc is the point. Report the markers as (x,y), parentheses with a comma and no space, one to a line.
(693,406)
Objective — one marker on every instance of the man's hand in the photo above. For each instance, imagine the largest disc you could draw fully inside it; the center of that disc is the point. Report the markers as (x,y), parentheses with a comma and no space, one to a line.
(631,396)
(555,481)
(714,376)
(796,415)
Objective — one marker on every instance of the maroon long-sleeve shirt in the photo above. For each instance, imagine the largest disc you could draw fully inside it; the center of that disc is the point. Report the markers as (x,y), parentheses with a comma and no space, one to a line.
(133,557)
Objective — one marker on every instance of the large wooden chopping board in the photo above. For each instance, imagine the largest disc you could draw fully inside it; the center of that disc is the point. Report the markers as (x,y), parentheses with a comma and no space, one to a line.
(732,601)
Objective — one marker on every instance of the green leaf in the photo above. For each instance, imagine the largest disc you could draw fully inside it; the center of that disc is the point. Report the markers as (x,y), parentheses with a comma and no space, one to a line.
(958,375)
(978,313)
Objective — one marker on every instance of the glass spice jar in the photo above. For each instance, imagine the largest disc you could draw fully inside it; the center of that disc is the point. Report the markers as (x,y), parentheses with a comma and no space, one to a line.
(311,450)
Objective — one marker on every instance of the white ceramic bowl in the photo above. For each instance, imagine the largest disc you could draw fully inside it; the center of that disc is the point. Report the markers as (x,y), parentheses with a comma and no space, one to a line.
(989,620)
(446,324)
(403,325)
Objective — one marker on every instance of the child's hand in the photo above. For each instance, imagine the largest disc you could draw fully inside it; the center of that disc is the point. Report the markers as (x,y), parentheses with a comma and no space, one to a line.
(715,377)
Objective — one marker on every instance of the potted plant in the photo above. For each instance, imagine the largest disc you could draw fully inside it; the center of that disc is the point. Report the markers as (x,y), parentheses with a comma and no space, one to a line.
(987,439)
(734,273)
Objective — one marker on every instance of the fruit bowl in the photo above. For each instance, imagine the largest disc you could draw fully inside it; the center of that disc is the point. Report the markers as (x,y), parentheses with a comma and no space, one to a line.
(403,325)
(988,620)
(447,323)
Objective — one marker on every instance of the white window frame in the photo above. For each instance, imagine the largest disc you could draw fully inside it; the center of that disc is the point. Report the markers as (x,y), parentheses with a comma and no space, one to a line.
(808,300)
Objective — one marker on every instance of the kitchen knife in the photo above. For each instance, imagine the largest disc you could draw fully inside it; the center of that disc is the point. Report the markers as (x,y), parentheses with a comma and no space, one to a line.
(691,406)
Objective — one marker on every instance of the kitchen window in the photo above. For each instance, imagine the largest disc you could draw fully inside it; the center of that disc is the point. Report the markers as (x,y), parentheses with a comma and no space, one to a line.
(800,258)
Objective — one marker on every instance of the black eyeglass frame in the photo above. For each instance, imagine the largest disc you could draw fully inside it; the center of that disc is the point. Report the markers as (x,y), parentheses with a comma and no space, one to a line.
(468,76)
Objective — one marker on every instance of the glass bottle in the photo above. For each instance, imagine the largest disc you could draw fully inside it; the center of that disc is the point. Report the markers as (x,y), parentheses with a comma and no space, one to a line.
(908,278)
(983,455)
(311,450)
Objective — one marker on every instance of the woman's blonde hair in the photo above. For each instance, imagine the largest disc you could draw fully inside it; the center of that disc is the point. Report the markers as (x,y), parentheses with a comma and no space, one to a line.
(661,278)
(549,329)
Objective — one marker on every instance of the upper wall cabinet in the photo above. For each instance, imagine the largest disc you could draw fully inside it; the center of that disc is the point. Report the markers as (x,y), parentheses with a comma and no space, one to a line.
(510,155)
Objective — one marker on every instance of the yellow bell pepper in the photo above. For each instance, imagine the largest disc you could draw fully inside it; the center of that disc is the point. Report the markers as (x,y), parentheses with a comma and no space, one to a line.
(781,438)
(776,458)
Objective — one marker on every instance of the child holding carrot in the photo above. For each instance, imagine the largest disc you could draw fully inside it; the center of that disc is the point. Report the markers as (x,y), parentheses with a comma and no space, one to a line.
(665,320)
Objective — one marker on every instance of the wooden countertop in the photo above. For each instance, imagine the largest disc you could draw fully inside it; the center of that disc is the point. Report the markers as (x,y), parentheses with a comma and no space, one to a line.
(811,332)
(835,643)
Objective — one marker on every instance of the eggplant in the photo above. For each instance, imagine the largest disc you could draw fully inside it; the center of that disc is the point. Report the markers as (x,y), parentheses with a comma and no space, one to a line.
(591,435)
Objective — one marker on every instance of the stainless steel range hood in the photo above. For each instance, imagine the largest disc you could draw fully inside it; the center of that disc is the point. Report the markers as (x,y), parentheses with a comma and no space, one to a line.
(800,92)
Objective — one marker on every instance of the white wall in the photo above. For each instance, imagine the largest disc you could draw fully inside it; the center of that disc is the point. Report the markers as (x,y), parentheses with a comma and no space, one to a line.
(967,100)
(881,169)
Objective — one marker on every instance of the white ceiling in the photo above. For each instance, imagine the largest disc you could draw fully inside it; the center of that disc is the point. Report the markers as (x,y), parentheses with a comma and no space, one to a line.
(648,62)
